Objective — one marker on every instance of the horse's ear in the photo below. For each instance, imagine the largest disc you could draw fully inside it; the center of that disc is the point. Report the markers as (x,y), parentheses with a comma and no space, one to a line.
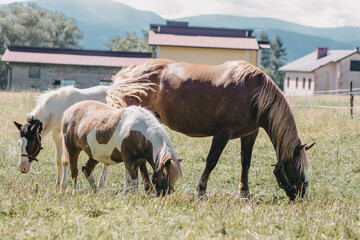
(308,146)
(299,148)
(168,162)
(35,127)
(18,125)
(180,160)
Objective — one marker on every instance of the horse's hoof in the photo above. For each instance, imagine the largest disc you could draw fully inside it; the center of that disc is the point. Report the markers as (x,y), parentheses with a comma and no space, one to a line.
(244,194)
(202,195)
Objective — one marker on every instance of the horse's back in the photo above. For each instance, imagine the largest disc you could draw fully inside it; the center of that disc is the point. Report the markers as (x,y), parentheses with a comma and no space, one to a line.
(207,99)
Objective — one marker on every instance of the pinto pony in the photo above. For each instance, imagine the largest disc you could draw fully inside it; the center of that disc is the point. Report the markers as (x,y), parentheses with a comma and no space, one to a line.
(46,117)
(131,135)
(227,101)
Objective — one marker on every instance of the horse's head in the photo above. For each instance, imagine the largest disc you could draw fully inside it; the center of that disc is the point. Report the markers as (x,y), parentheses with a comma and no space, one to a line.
(29,143)
(291,175)
(168,171)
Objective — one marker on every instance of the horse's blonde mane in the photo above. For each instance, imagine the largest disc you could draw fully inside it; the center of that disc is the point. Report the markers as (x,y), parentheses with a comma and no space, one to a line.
(132,81)
(175,169)
(239,70)
(43,99)
(270,100)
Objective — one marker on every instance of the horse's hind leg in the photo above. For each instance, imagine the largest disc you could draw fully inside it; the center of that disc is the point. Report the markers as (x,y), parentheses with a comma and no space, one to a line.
(217,146)
(87,169)
(247,144)
(103,176)
(69,157)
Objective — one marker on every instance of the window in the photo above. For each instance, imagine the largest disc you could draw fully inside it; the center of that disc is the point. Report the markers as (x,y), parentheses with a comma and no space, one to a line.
(309,84)
(64,82)
(296,82)
(288,82)
(355,66)
(105,81)
(304,82)
(34,71)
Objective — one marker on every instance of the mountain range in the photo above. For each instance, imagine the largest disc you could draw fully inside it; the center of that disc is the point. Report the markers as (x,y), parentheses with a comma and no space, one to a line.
(101,20)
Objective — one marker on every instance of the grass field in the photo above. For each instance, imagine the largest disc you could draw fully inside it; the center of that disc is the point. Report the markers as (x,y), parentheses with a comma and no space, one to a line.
(31,206)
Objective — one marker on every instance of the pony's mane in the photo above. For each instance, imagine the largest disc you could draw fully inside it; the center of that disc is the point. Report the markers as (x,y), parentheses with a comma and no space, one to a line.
(175,169)
(270,100)
(132,81)
(43,99)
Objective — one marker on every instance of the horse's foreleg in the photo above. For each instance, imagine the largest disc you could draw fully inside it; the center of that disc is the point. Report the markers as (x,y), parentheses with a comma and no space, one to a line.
(103,176)
(247,144)
(58,144)
(217,146)
(145,176)
(87,169)
(131,175)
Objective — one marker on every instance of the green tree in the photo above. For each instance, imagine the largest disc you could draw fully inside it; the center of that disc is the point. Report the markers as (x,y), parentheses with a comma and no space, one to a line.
(32,26)
(273,59)
(265,54)
(130,42)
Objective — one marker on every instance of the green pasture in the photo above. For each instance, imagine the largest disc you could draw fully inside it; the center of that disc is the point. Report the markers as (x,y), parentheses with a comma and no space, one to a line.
(32,207)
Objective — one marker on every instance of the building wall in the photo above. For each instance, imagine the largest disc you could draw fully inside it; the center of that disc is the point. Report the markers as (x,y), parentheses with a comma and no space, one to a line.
(207,56)
(346,75)
(326,77)
(290,88)
(85,76)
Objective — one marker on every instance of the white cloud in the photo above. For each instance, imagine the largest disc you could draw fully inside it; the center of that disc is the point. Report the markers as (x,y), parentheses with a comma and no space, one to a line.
(316,13)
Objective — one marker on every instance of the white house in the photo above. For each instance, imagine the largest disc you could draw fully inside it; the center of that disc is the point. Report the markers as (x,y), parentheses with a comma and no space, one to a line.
(322,70)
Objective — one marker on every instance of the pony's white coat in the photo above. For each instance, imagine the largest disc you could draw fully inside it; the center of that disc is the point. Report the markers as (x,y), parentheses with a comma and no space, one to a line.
(50,108)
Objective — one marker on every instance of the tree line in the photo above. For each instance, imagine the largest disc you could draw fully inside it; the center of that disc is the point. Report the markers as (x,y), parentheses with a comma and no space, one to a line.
(32,26)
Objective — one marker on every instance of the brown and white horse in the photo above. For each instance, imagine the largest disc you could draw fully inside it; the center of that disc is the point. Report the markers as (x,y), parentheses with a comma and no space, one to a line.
(131,135)
(46,117)
(227,101)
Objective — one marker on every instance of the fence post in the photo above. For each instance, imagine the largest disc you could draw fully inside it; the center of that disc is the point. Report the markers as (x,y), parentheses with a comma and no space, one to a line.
(351,100)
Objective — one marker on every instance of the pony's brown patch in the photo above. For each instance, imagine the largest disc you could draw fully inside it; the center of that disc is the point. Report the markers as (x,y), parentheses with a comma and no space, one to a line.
(116,156)
(137,146)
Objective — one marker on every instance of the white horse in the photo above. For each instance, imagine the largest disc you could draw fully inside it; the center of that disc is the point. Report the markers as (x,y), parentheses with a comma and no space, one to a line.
(131,135)
(46,117)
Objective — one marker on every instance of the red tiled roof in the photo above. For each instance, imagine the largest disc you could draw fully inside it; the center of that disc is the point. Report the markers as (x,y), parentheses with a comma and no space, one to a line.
(202,41)
(69,59)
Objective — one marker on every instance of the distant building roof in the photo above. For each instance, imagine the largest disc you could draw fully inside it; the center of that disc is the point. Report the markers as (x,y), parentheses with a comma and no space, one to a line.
(311,62)
(73,56)
(181,35)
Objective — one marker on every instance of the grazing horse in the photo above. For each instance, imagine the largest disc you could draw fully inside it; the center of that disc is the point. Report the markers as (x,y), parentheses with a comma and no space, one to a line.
(46,117)
(131,135)
(227,101)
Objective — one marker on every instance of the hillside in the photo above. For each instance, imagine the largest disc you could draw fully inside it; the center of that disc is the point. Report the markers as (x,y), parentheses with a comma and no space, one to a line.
(101,20)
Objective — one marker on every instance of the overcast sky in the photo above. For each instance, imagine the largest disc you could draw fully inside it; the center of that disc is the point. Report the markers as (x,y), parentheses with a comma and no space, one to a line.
(316,13)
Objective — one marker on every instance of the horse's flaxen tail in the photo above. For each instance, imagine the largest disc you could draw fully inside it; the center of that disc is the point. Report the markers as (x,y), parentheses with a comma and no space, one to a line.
(134,81)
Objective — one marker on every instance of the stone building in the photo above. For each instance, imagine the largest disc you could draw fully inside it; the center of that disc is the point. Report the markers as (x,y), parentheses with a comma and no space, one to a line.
(44,68)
